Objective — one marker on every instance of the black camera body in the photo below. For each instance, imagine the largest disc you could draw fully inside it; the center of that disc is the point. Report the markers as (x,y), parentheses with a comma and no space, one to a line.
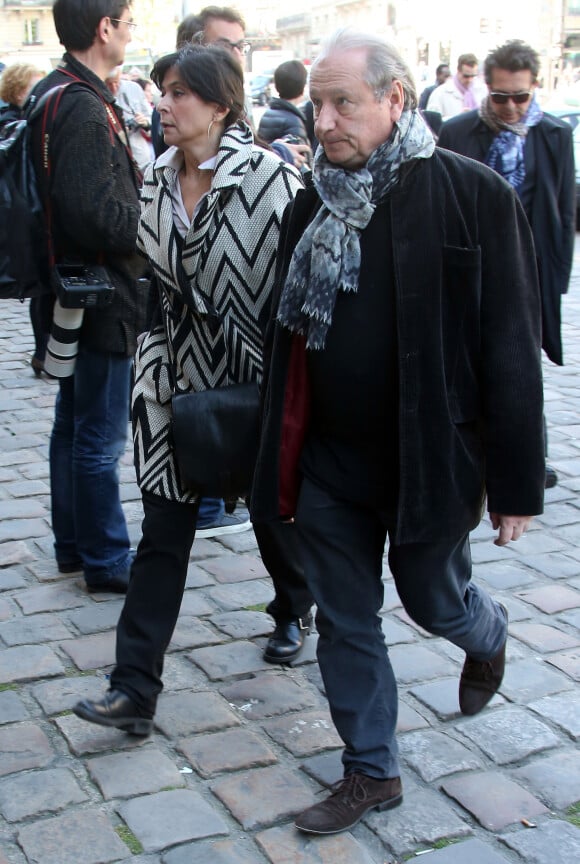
(82,286)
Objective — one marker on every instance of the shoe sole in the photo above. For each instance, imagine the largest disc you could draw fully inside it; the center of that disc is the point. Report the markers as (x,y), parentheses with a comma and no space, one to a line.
(139,726)
(207,533)
(283,661)
(385,805)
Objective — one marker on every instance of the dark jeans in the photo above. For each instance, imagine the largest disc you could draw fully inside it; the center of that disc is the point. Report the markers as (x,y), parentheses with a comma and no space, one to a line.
(279,547)
(342,545)
(91,423)
(152,604)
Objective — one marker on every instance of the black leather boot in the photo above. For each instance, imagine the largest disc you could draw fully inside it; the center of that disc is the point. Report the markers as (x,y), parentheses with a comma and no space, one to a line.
(287,640)
(115,709)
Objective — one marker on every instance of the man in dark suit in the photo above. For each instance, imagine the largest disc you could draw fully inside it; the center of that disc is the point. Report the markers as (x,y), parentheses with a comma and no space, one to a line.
(533,152)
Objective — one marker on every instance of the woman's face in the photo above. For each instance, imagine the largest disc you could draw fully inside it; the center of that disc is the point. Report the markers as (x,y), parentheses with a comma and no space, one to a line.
(184,117)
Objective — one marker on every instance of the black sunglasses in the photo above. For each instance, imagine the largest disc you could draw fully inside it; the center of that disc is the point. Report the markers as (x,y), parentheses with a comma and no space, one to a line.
(517,98)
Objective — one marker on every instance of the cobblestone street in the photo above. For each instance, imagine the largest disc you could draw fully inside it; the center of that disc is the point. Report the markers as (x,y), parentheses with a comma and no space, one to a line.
(239,746)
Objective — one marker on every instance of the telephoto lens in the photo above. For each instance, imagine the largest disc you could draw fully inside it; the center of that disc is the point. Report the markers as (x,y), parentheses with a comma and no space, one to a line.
(63,342)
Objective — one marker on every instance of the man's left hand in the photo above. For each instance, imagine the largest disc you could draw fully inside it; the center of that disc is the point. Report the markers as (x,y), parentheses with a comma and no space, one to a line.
(510,527)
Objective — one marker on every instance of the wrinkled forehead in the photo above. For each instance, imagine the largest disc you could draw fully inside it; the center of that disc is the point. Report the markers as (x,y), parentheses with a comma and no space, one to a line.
(339,69)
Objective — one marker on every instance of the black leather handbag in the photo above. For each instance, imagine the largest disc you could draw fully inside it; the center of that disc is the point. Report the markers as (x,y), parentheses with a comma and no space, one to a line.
(215,439)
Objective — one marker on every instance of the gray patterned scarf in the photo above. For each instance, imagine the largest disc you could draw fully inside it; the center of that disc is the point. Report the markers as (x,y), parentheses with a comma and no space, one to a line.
(327,257)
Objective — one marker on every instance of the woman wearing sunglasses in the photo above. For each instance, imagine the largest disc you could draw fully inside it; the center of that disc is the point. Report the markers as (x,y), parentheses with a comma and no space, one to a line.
(533,151)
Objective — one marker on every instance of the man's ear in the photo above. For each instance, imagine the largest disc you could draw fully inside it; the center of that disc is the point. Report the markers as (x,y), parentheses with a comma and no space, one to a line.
(103,29)
(396,97)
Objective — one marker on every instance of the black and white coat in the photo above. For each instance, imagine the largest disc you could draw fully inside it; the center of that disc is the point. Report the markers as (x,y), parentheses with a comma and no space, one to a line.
(215,291)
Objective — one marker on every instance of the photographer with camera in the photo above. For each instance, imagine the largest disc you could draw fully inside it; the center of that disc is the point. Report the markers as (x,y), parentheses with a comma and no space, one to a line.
(89,185)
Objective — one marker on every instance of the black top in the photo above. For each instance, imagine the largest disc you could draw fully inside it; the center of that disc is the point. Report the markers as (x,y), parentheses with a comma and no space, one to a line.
(352,445)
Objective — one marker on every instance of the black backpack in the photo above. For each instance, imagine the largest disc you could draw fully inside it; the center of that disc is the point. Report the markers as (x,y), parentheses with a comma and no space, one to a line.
(24,242)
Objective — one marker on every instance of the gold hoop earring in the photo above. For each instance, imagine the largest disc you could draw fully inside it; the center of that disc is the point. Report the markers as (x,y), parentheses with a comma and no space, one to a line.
(209,128)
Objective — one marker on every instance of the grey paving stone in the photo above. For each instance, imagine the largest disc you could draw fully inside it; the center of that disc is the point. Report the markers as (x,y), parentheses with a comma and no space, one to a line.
(537,543)
(243,595)
(204,549)
(263,796)
(563,710)
(139,772)
(168,818)
(182,714)
(28,663)
(34,629)
(397,633)
(572,618)
(235,568)
(96,617)
(243,625)
(542,637)
(424,818)
(435,754)
(554,779)
(86,738)
(441,697)
(556,565)
(408,719)
(508,735)
(245,541)
(12,708)
(568,662)
(225,661)
(532,679)
(22,529)
(198,578)
(215,852)
(180,674)
(325,768)
(190,632)
(269,694)
(305,733)
(61,694)
(21,508)
(12,577)
(226,751)
(85,836)
(38,792)
(493,799)
(552,841)
(552,598)
(14,552)
(196,603)
(49,598)
(472,851)
(285,845)
(413,663)
(7,609)
(505,575)
(92,652)
(487,553)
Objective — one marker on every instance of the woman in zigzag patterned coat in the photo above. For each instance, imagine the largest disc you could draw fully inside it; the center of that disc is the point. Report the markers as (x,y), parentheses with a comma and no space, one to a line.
(210,219)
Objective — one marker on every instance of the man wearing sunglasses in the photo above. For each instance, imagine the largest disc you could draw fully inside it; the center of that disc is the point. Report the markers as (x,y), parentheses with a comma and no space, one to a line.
(533,151)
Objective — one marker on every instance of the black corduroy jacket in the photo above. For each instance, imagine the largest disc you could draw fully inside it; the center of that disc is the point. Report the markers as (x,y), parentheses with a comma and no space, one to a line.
(469,360)
(94,202)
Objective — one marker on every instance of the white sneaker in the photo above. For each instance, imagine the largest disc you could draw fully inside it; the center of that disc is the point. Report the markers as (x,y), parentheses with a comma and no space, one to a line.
(228,524)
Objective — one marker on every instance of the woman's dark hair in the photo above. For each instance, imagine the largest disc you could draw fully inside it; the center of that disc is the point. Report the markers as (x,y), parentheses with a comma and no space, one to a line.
(76,21)
(212,73)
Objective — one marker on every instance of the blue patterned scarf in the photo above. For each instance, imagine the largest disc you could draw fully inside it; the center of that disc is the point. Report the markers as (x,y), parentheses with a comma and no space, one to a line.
(327,257)
(506,154)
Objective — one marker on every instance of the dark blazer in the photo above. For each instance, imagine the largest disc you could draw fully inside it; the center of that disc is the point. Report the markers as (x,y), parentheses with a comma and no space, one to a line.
(94,203)
(280,119)
(469,360)
(551,210)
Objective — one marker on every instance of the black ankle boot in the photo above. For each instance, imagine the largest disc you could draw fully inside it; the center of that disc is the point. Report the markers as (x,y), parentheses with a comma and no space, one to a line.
(287,640)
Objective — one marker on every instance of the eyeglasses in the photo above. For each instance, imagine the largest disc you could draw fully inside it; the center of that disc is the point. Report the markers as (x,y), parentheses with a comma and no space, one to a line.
(242,46)
(124,21)
(517,98)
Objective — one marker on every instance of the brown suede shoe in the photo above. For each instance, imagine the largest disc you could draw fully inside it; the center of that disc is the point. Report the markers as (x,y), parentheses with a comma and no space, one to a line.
(351,799)
(480,680)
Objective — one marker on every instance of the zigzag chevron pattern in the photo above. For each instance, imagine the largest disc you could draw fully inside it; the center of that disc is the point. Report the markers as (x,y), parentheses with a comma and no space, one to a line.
(229,256)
